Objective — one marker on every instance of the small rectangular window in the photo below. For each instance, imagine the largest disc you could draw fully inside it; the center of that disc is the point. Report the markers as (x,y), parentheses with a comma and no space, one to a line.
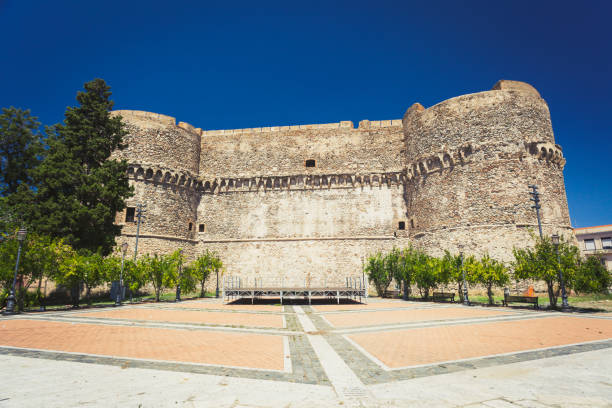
(589,244)
(606,243)
(310,163)
(401,225)
(201,228)
(129,214)
(190,226)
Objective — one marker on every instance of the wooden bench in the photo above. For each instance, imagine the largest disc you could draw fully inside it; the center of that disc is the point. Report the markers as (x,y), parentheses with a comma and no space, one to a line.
(444,296)
(392,293)
(521,299)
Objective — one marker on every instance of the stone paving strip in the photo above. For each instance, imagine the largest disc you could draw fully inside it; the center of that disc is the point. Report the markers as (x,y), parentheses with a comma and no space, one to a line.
(218,306)
(343,379)
(435,345)
(191,316)
(349,307)
(435,323)
(291,322)
(259,351)
(402,316)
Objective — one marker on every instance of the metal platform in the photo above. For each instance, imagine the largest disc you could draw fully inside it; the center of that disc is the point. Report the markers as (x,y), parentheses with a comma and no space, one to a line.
(355,289)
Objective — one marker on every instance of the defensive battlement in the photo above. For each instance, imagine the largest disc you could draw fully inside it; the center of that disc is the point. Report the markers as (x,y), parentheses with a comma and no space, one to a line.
(346,124)
(142,117)
(506,85)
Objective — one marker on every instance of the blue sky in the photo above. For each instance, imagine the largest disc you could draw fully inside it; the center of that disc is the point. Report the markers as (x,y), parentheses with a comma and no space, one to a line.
(223,65)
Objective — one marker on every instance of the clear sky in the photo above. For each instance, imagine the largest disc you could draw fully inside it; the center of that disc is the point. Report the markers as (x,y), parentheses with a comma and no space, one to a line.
(231,64)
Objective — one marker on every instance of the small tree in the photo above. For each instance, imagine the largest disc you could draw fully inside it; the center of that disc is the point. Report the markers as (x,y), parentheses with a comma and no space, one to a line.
(161,271)
(392,264)
(455,267)
(426,273)
(93,275)
(203,266)
(490,272)
(133,273)
(40,258)
(377,273)
(407,266)
(541,263)
(184,274)
(81,268)
(591,276)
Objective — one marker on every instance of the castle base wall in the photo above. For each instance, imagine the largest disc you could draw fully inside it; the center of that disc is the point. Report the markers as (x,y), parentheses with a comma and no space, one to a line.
(311,262)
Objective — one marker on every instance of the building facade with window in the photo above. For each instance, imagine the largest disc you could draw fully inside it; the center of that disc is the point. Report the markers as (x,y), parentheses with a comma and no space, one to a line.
(308,203)
(596,240)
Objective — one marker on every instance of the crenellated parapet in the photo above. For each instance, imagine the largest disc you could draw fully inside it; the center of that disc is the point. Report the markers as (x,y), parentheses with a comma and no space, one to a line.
(302,182)
(163,175)
(442,160)
(447,159)
(546,152)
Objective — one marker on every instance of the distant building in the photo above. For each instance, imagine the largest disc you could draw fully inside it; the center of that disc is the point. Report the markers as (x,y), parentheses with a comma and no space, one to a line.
(597,239)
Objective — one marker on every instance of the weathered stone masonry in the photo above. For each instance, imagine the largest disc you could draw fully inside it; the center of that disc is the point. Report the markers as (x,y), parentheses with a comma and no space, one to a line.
(454,176)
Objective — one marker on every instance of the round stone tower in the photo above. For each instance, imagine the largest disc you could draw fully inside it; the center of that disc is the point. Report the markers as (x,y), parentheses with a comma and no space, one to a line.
(470,161)
(163,162)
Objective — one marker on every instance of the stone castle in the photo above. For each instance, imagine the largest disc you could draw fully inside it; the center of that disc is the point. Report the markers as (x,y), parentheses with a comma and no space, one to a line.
(309,202)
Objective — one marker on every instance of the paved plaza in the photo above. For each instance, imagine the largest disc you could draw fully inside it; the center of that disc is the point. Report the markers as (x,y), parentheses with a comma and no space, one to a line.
(388,353)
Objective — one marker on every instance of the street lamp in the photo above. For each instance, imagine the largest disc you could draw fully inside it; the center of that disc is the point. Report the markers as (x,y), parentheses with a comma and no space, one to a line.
(10,302)
(466,301)
(124,248)
(564,305)
(180,270)
(217,291)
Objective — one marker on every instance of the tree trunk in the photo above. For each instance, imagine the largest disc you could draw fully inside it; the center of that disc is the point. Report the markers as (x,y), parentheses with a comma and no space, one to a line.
(75,294)
(202,290)
(490,293)
(460,289)
(39,293)
(425,293)
(157,293)
(551,294)
(406,289)
(88,294)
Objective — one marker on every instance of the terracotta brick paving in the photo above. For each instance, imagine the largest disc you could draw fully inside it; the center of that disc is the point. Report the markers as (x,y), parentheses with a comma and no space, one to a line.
(403,348)
(221,306)
(194,346)
(192,316)
(408,316)
(369,306)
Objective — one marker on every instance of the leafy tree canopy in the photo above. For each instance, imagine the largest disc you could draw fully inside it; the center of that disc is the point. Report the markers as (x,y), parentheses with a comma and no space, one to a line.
(20,149)
(80,189)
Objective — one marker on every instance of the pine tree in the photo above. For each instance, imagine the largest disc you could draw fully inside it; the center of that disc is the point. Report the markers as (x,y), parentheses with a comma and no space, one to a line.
(20,149)
(79,188)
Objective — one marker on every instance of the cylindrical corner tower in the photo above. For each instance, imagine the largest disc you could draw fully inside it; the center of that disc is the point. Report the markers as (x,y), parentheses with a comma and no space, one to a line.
(470,161)
(163,168)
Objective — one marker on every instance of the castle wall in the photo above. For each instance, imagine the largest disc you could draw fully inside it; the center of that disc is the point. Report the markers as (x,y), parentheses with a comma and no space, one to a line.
(457,174)
(303,231)
(164,161)
(471,159)
(322,212)
(337,148)
(156,141)
(315,262)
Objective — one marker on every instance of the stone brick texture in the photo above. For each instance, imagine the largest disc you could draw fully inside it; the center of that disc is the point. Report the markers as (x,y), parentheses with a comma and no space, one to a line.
(456,174)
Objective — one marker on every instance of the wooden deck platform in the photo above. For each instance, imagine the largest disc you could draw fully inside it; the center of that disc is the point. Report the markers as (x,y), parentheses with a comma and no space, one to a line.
(353,293)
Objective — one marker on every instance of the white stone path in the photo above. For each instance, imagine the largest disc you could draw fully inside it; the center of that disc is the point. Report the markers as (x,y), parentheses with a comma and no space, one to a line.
(345,382)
